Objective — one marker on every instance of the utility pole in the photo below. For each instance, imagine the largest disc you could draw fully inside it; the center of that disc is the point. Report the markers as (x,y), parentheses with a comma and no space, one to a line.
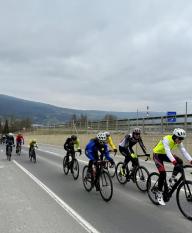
(186,116)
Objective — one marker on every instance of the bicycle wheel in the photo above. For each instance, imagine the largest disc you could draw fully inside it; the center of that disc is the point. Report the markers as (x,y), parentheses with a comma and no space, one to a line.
(87,181)
(65,166)
(152,187)
(141,176)
(121,178)
(9,153)
(184,198)
(105,186)
(75,169)
(19,151)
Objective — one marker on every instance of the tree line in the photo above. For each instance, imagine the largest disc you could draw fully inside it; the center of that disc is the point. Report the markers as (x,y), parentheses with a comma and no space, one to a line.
(13,124)
(83,119)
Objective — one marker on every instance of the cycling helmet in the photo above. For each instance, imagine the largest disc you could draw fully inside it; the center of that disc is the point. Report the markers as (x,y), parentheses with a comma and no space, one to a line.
(102,137)
(137,130)
(180,133)
(10,134)
(107,133)
(74,137)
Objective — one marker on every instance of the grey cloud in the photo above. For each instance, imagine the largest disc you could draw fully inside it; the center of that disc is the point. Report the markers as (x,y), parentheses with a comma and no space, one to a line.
(99,55)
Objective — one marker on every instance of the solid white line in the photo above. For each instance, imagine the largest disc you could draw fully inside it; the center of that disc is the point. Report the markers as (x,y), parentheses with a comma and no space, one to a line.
(87,226)
(61,156)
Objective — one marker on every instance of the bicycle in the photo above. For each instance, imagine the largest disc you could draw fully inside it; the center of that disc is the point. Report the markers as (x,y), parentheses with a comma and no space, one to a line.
(98,178)
(72,165)
(18,149)
(183,188)
(9,151)
(138,174)
(32,154)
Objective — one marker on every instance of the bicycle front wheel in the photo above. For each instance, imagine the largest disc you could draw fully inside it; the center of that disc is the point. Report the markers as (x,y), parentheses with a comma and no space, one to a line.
(75,169)
(122,178)
(65,166)
(152,187)
(141,176)
(184,198)
(105,186)
(87,181)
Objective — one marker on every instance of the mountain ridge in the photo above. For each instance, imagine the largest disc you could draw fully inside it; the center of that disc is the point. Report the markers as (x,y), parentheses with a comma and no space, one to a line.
(42,113)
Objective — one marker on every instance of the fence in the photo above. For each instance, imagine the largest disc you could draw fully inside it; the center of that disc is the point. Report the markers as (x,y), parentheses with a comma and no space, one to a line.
(148,125)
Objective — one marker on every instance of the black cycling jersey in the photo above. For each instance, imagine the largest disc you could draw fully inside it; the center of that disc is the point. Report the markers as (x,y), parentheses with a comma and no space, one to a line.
(129,141)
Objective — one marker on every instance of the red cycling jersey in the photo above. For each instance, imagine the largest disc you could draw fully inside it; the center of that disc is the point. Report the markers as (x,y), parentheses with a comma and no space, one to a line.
(19,138)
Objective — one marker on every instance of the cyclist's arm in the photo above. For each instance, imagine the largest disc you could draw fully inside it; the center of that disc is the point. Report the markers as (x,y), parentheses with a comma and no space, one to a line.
(142,146)
(110,141)
(106,153)
(89,150)
(168,150)
(184,152)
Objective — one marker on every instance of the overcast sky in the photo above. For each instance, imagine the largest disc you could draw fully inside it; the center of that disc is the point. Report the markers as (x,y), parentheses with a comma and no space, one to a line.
(119,55)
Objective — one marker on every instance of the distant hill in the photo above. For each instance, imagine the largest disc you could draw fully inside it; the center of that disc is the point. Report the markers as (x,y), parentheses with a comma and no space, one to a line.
(41,113)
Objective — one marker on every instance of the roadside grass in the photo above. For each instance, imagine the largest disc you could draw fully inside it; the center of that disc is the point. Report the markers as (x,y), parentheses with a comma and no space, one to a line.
(58,138)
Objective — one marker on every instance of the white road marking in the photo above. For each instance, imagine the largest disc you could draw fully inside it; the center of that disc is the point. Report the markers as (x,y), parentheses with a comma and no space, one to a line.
(61,156)
(87,226)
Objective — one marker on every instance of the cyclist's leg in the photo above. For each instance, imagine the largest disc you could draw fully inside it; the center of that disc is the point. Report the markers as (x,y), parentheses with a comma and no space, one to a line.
(16,149)
(158,159)
(67,156)
(177,169)
(126,154)
(135,162)
(72,159)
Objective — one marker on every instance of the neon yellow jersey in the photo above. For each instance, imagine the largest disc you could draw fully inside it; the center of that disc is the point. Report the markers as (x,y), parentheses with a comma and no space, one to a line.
(110,142)
(77,145)
(160,149)
(31,143)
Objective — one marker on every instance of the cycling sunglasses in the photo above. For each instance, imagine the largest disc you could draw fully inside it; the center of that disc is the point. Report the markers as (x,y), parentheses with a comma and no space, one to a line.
(180,138)
(137,134)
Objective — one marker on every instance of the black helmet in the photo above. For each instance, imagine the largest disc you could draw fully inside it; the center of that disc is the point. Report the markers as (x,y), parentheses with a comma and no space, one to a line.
(74,137)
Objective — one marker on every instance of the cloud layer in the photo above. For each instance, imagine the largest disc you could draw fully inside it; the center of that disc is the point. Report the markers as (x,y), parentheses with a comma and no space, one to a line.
(105,54)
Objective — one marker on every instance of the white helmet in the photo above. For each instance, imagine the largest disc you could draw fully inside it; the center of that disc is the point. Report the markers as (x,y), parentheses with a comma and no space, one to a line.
(179,133)
(137,130)
(102,137)
(10,134)
(107,133)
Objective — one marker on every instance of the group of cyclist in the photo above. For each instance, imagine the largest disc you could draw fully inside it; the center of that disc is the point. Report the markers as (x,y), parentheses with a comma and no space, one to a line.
(9,140)
(99,146)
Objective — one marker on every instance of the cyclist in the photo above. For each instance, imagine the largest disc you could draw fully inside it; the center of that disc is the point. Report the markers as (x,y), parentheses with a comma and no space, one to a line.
(10,141)
(110,141)
(126,149)
(71,145)
(162,152)
(94,147)
(19,141)
(32,143)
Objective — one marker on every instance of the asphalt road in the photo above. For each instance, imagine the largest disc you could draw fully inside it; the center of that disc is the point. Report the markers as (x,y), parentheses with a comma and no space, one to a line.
(40,198)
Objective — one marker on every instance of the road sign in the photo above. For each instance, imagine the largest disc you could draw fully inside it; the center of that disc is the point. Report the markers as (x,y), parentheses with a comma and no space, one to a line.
(171,116)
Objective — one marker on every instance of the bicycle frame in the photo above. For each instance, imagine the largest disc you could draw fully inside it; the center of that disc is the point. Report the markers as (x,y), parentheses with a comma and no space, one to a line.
(99,166)
(169,192)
